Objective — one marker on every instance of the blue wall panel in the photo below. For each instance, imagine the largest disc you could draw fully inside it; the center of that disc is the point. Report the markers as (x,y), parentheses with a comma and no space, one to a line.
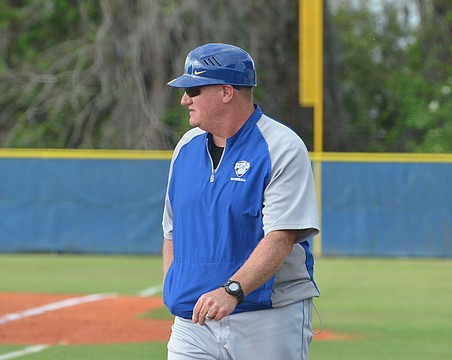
(115,206)
(86,206)
(381,209)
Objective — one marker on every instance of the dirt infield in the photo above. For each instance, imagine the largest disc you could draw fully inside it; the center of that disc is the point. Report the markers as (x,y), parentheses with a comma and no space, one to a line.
(107,320)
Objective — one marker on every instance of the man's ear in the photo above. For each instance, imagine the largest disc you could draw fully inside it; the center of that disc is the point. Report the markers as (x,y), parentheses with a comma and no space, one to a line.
(228,91)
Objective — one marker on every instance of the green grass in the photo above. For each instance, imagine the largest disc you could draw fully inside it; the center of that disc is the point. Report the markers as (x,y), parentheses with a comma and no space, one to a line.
(154,351)
(393,308)
(396,308)
(161,313)
(79,273)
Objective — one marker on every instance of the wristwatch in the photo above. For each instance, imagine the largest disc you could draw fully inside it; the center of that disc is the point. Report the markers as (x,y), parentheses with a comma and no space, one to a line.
(235,289)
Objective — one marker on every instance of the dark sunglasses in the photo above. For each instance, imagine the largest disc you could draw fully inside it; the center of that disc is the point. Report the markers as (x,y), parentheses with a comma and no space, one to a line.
(196,90)
(193,91)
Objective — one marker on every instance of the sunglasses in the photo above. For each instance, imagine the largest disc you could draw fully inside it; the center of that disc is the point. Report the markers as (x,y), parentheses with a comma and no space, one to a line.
(193,91)
(196,90)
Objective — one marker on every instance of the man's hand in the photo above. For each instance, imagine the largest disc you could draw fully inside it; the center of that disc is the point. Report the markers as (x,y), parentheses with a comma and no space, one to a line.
(214,305)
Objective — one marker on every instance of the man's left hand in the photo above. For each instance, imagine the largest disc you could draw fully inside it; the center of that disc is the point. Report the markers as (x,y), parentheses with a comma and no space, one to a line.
(214,305)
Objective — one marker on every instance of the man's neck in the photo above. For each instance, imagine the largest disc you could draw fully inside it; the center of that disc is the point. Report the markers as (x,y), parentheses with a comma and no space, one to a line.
(235,123)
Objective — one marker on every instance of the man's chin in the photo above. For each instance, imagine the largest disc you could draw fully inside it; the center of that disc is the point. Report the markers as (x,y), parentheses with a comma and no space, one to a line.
(193,123)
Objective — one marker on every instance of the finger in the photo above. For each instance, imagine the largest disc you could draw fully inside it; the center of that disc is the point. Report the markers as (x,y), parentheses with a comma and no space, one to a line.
(199,314)
(196,312)
(202,318)
(206,315)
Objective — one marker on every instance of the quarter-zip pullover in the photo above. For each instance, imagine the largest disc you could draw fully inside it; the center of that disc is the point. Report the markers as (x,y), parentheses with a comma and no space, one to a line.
(216,217)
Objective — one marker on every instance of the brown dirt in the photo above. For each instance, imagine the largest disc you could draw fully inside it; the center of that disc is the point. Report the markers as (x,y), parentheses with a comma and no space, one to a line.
(110,320)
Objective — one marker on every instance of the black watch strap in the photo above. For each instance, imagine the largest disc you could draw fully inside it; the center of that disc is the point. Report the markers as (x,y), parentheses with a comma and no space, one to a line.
(235,289)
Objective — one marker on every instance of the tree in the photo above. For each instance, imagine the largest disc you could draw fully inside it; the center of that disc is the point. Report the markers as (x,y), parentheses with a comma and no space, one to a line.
(82,74)
(104,85)
(394,75)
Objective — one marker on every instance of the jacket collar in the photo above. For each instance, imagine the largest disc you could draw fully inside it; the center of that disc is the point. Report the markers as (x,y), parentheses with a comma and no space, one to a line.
(247,127)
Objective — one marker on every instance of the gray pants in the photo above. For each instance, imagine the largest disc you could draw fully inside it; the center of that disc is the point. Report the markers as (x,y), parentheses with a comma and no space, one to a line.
(274,334)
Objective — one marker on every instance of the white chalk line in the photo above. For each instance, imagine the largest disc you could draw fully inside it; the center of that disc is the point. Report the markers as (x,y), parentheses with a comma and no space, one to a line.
(23,352)
(151,291)
(53,306)
(40,310)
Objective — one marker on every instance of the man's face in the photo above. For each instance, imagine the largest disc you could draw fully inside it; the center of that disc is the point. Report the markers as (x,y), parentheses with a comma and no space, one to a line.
(204,104)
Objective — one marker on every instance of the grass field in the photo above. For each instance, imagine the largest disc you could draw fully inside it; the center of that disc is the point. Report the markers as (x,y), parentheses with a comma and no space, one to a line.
(388,308)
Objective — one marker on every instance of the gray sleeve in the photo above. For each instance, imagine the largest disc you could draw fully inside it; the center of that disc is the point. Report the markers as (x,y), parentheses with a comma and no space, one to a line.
(290,198)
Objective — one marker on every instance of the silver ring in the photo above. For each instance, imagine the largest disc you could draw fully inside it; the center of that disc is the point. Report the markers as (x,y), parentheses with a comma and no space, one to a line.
(209,316)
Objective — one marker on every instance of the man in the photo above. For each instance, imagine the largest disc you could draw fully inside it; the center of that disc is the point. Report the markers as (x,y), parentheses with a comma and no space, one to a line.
(240,205)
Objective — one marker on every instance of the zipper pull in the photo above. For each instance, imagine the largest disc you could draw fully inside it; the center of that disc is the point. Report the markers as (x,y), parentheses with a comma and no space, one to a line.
(212,176)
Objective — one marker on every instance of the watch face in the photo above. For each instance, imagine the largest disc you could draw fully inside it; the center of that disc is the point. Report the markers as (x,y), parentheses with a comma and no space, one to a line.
(233,287)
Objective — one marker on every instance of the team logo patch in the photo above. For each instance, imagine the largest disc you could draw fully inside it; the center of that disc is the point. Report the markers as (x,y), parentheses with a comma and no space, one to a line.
(241,167)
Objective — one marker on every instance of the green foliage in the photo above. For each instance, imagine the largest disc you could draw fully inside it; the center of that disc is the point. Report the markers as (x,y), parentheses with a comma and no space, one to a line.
(7,14)
(176,117)
(398,96)
(84,74)
(42,25)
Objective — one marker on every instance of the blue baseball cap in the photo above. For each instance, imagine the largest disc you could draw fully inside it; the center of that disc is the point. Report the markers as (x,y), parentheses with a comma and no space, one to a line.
(216,64)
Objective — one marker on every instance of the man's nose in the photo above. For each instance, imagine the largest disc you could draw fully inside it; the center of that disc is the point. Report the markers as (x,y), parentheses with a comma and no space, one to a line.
(185,100)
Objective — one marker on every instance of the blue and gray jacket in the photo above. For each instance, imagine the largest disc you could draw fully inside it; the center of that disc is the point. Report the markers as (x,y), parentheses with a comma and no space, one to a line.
(216,217)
